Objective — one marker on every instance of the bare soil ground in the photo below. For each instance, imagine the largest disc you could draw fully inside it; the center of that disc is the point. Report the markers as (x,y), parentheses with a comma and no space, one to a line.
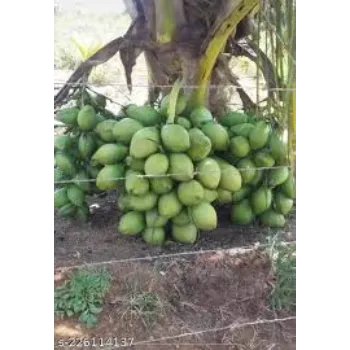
(196,293)
(99,240)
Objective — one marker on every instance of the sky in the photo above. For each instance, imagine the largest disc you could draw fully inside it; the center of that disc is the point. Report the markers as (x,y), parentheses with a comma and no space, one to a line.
(116,6)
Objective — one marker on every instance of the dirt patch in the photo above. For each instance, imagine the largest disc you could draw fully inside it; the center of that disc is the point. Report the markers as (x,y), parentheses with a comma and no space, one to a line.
(211,291)
(196,293)
(99,240)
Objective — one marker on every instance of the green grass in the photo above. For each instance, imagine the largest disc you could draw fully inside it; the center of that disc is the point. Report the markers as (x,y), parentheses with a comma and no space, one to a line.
(283,258)
(82,295)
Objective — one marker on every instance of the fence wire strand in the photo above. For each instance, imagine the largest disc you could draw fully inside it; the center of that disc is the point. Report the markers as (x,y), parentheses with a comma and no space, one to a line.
(144,176)
(231,327)
(169,86)
(230,251)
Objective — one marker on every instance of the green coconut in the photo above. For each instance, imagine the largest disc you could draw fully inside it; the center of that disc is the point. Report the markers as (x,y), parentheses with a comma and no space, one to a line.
(210,195)
(288,187)
(243,129)
(156,164)
(136,184)
(61,198)
(185,234)
(146,115)
(200,145)
(181,167)
(104,130)
(144,203)
(76,195)
(68,115)
(273,219)
(200,116)
(175,138)
(239,146)
(87,118)
(182,219)
(224,196)
(109,154)
(247,168)
(233,118)
(218,136)
(109,176)
(277,176)
(154,236)
(67,210)
(258,178)
(162,185)
(282,203)
(132,223)
(231,179)
(190,193)
(169,205)
(123,203)
(263,159)
(241,194)
(242,213)
(135,164)
(65,163)
(58,175)
(259,136)
(145,142)
(125,129)
(278,148)
(184,122)
(86,145)
(209,173)
(261,200)
(62,142)
(82,180)
(204,216)
(153,219)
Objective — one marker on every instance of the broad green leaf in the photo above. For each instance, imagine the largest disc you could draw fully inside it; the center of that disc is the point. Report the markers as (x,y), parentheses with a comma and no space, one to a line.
(91,321)
(94,309)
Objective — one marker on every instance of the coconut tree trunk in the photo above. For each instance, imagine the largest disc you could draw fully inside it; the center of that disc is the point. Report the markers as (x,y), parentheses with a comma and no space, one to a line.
(198,46)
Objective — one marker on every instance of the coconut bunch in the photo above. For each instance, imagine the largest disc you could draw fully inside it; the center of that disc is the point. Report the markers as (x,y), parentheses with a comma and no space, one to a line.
(173,166)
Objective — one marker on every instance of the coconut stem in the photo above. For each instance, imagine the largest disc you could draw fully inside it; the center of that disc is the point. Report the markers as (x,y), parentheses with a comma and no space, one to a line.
(166,21)
(174,94)
(215,47)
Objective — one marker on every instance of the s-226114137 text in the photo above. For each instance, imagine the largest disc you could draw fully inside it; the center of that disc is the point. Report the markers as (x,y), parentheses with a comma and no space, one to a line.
(95,342)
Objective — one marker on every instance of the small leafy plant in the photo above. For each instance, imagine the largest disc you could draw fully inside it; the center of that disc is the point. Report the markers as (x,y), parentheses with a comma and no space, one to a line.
(86,51)
(82,295)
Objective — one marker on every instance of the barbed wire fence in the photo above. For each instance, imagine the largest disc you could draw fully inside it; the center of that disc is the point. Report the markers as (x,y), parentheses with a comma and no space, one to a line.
(229,251)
